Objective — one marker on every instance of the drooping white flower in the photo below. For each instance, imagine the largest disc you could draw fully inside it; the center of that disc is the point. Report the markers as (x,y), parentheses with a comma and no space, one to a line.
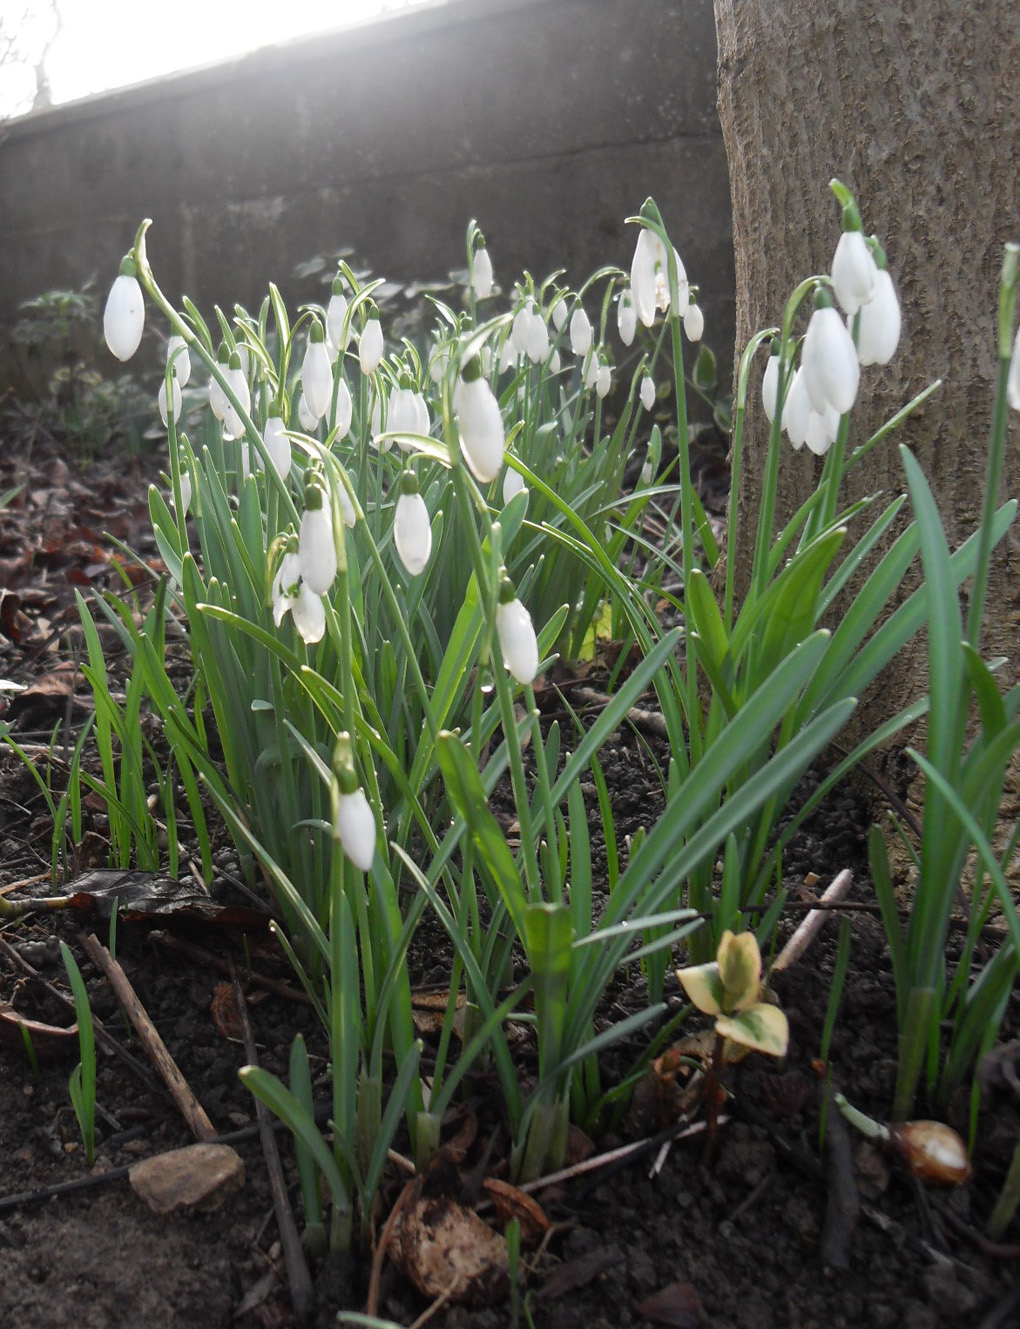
(649,277)
(558,313)
(378,424)
(555,363)
(370,344)
(238,385)
(480,422)
(770,383)
(538,338)
(317,373)
(828,358)
(694,322)
(175,399)
(603,380)
(344,409)
(626,317)
(178,355)
(591,370)
(402,415)
(354,827)
(580,332)
(124,315)
(513,484)
(307,418)
(316,546)
(412,530)
(853,270)
(481,274)
(336,313)
(517,640)
(346,506)
(217,397)
(647,392)
(291,593)
(1013,378)
(879,332)
(796,410)
(520,328)
(507,356)
(186,490)
(277,444)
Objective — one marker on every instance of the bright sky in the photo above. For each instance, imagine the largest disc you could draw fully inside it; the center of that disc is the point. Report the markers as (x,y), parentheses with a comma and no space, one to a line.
(110,43)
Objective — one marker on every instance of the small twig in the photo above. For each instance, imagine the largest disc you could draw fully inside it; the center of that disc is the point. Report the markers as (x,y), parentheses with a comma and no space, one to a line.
(203,956)
(811,924)
(156,1050)
(412,1187)
(302,1293)
(102,1037)
(843,1203)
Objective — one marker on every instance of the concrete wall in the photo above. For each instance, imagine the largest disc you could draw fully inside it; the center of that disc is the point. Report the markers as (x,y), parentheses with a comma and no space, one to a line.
(547,120)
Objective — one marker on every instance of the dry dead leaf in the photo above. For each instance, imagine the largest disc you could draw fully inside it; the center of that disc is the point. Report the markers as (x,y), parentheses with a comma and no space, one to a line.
(509,1203)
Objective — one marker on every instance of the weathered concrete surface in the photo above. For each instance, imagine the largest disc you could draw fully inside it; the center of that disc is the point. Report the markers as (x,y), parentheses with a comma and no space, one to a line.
(547,120)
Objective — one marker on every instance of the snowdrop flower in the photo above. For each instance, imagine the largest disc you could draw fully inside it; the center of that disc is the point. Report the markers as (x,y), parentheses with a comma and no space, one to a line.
(317,373)
(344,409)
(626,317)
(796,410)
(580,332)
(770,381)
(878,333)
(175,398)
(507,356)
(370,344)
(1013,380)
(238,385)
(516,632)
(316,545)
(217,397)
(178,355)
(853,268)
(828,358)
(412,530)
(591,370)
(277,444)
(377,425)
(558,313)
(520,329)
(186,490)
(336,313)
(538,338)
(124,315)
(649,277)
(647,392)
(402,413)
(513,484)
(694,322)
(291,593)
(482,436)
(603,380)
(481,273)
(354,826)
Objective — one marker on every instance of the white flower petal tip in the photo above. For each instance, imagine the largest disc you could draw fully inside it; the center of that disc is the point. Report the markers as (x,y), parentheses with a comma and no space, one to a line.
(412,533)
(481,274)
(513,484)
(124,317)
(853,271)
(354,826)
(482,436)
(317,548)
(517,641)
(879,332)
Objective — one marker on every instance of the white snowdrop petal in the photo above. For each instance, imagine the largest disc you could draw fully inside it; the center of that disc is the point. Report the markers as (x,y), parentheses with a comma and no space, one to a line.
(482,436)
(178,355)
(796,410)
(344,409)
(309,615)
(829,360)
(603,381)
(694,323)
(355,828)
(538,339)
(853,271)
(647,391)
(517,641)
(238,384)
(370,346)
(1013,379)
(559,313)
(626,318)
(317,548)
(124,317)
(770,387)
(879,332)
(175,397)
(412,532)
(513,483)
(317,378)
(336,312)
(580,332)
(277,444)
(481,274)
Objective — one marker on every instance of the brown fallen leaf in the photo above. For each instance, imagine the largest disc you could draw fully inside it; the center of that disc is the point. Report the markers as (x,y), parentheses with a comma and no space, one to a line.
(676,1305)
(447,1251)
(509,1203)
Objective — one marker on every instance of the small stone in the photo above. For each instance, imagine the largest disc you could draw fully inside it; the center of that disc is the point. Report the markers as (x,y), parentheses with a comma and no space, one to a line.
(200,1177)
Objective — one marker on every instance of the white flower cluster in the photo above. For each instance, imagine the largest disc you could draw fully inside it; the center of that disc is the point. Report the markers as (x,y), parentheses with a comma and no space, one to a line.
(824,386)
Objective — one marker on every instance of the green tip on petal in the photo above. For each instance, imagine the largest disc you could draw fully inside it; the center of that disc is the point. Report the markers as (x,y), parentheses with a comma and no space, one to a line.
(408,482)
(338,285)
(313,496)
(851,217)
(343,765)
(315,332)
(823,300)
(235,360)
(223,354)
(472,370)
(128,266)
(775,346)
(507,591)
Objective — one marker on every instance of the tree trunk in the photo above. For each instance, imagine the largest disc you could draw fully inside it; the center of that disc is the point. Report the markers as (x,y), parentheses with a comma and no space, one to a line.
(915,106)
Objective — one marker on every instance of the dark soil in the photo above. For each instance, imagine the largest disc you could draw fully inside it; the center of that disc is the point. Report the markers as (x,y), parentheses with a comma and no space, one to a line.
(738,1244)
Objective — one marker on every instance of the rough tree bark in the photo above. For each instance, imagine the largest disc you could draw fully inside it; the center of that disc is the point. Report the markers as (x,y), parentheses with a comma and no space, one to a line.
(915,105)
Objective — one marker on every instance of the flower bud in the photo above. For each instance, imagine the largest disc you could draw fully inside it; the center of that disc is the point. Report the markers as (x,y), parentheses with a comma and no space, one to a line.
(879,332)
(317,374)
(558,313)
(238,385)
(412,530)
(178,355)
(277,444)
(175,398)
(770,382)
(694,322)
(517,639)
(580,332)
(124,315)
(647,392)
(829,359)
(336,313)
(853,271)
(354,827)
(482,436)
(626,317)
(370,344)
(316,546)
(481,274)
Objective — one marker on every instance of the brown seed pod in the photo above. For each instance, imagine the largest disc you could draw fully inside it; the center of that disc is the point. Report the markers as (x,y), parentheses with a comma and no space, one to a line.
(932,1151)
